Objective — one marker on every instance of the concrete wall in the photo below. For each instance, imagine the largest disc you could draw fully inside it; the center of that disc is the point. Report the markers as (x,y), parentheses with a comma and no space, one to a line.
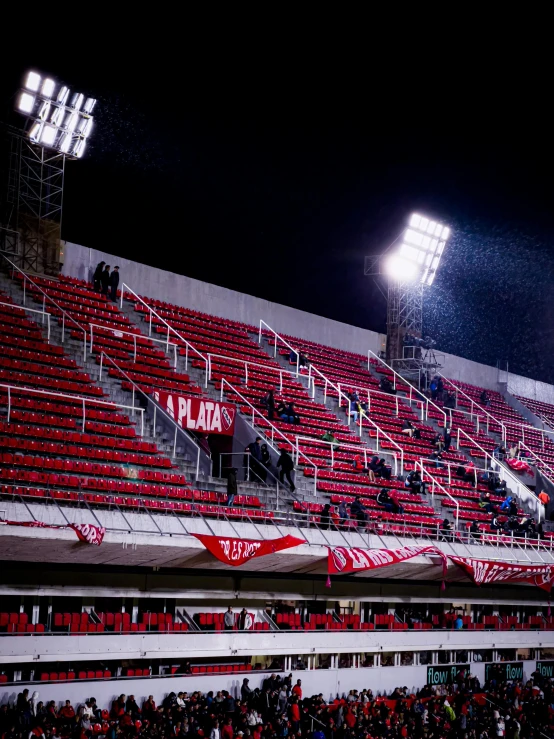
(158,283)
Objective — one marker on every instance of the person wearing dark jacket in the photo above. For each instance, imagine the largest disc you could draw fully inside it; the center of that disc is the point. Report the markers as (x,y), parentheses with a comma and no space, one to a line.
(231,485)
(358,510)
(325,517)
(114,282)
(447,439)
(287,466)
(105,279)
(259,472)
(97,278)
(269,402)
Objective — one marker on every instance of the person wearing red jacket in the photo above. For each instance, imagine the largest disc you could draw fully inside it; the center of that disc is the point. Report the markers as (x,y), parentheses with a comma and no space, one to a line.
(227,731)
(295,715)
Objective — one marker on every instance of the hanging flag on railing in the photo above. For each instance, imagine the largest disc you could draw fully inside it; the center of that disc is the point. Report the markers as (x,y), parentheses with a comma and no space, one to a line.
(236,552)
(86,532)
(485,572)
(346,561)
(199,414)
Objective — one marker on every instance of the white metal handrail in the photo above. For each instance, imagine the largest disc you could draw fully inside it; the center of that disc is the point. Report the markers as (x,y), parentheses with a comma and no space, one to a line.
(541,462)
(342,445)
(473,405)
(32,310)
(45,297)
(116,331)
(274,429)
(284,341)
(246,364)
(170,329)
(524,494)
(15,389)
(157,408)
(434,482)
(427,401)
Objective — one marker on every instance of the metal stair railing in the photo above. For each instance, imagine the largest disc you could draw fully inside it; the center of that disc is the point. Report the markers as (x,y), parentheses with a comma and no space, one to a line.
(158,409)
(522,492)
(33,310)
(170,329)
(480,409)
(118,332)
(46,297)
(436,483)
(419,397)
(341,395)
(274,430)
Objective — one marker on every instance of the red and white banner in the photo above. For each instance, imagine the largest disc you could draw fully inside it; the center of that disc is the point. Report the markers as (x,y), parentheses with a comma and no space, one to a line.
(199,414)
(89,533)
(236,552)
(345,561)
(484,572)
(86,532)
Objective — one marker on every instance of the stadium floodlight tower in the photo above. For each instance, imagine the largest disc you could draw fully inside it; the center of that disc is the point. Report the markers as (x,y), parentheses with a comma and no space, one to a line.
(410,265)
(58,124)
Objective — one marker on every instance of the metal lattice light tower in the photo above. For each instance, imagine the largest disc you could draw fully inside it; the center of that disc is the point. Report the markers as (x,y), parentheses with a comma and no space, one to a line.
(57,126)
(410,265)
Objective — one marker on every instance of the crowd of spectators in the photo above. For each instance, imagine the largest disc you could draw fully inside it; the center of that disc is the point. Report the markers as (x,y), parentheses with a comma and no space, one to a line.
(278,709)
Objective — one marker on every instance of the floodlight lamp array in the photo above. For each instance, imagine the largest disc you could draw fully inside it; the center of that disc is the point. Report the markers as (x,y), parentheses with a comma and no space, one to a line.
(58,119)
(418,256)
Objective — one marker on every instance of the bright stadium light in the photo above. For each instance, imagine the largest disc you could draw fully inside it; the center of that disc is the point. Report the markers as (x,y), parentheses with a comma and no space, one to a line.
(58,118)
(418,256)
(32,82)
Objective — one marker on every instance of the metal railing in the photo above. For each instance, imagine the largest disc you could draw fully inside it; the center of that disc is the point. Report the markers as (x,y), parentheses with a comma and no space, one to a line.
(540,463)
(336,387)
(157,409)
(33,310)
(420,398)
(276,337)
(80,399)
(474,405)
(246,363)
(275,432)
(525,495)
(435,483)
(250,471)
(118,332)
(46,297)
(170,329)
(342,446)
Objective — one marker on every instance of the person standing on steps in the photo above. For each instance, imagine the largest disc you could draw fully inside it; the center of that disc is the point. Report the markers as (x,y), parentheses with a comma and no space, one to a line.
(114,282)
(97,277)
(105,279)
(287,466)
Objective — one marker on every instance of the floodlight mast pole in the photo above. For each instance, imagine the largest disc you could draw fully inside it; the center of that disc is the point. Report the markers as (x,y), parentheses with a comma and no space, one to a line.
(404,316)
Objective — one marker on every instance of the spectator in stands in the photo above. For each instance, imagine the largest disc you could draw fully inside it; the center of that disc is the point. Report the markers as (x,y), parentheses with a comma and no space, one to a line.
(114,282)
(447,439)
(415,483)
(266,457)
(495,524)
(204,444)
(509,506)
(353,409)
(67,714)
(227,732)
(359,511)
(484,398)
(438,443)
(358,464)
(97,278)
(544,498)
(232,488)
(449,400)
(383,498)
(485,502)
(395,505)
(149,708)
(458,623)
(475,531)
(132,708)
(269,402)
(408,428)
(258,470)
(105,279)
(382,470)
(325,517)
(513,451)
(343,513)
(297,690)
(330,437)
(500,452)
(434,387)
(229,619)
(245,690)
(287,466)
(303,363)
(386,386)
(446,531)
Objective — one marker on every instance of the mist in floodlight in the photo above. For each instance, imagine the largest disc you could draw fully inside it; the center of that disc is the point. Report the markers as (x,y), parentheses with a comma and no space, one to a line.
(400,269)
(32,82)
(48,87)
(26,102)
(445,233)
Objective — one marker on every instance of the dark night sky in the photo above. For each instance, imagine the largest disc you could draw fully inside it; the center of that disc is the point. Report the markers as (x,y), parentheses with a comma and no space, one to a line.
(275,172)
